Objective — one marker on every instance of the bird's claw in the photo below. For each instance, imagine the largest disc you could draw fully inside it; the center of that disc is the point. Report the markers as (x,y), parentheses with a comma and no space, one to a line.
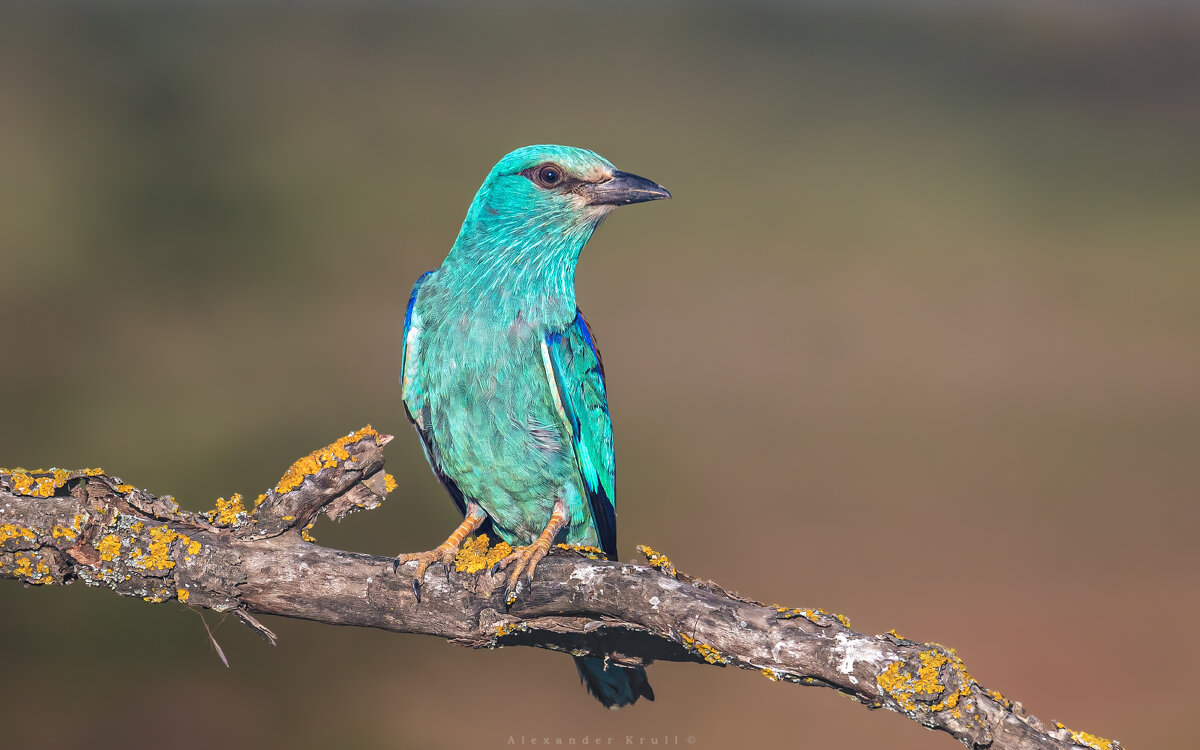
(510,595)
(423,561)
(526,560)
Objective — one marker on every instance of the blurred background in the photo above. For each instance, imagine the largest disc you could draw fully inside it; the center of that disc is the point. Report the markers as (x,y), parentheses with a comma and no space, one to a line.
(917,341)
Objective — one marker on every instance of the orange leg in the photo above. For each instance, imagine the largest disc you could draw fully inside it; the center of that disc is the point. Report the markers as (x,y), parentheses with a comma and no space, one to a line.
(444,552)
(527,558)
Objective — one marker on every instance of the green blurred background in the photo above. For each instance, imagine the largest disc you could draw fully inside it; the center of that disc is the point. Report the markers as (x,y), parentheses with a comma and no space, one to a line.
(918,341)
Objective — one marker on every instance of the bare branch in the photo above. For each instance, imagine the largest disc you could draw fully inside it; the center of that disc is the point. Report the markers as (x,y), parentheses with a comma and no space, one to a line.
(57,526)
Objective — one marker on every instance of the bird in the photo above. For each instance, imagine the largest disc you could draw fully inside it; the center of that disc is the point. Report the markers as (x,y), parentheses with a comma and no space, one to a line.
(502,379)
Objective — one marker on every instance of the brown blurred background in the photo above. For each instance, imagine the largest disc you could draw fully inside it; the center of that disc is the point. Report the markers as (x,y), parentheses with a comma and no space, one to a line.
(917,341)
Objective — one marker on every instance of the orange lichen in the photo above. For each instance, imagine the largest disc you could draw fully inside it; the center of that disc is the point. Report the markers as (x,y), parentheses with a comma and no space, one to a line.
(33,570)
(389,483)
(325,458)
(42,486)
(510,627)
(228,512)
(158,597)
(183,595)
(594,553)
(158,554)
(1086,738)
(9,531)
(109,547)
(710,654)
(997,696)
(657,560)
(812,615)
(69,532)
(905,687)
(475,556)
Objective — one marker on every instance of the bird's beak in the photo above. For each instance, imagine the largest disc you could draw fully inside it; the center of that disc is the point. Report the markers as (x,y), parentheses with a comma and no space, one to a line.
(624,188)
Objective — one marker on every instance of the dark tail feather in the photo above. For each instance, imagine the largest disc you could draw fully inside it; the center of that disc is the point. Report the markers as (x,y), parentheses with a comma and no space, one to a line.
(615,686)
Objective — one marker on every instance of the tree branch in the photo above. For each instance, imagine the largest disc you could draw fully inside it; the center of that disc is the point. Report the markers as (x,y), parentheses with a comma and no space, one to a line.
(57,526)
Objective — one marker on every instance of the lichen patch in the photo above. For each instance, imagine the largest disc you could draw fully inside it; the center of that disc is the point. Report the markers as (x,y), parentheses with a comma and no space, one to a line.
(324,458)
(475,555)
(658,560)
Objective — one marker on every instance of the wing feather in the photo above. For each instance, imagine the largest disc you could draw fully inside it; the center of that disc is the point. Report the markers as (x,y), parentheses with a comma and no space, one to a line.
(576,376)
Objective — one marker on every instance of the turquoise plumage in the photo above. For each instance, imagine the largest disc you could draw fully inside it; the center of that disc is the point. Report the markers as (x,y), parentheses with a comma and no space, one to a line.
(502,378)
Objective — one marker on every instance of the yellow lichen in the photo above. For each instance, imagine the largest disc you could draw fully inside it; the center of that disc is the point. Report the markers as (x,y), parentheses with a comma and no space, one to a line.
(109,547)
(770,674)
(289,518)
(68,532)
(657,560)
(182,595)
(158,597)
(389,483)
(124,489)
(325,458)
(228,512)
(504,629)
(475,556)
(1086,739)
(41,486)
(307,536)
(997,696)
(812,615)
(904,687)
(259,500)
(193,547)
(158,554)
(34,570)
(136,527)
(710,654)
(9,531)
(594,553)
(43,482)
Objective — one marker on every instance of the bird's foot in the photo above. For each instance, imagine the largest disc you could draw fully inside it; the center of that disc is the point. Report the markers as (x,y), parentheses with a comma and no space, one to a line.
(521,560)
(443,554)
(525,559)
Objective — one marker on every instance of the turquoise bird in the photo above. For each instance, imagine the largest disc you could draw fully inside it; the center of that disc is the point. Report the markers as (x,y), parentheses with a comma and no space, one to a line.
(503,381)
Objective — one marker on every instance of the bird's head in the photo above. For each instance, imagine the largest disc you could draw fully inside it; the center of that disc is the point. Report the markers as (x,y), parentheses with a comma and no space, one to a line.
(551,197)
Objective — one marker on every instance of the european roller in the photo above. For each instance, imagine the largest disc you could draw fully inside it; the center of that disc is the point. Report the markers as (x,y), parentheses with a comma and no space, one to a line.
(503,381)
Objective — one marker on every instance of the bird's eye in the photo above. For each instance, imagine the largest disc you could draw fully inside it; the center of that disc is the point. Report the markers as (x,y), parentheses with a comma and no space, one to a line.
(549,175)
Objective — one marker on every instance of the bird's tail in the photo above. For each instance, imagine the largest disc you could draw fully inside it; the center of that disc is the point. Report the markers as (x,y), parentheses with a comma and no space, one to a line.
(613,685)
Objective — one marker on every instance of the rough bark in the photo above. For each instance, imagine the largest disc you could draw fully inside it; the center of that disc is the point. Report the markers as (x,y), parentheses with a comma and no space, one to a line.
(59,526)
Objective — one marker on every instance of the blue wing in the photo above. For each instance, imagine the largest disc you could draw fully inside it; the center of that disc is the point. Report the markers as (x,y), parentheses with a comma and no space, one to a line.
(576,377)
(411,388)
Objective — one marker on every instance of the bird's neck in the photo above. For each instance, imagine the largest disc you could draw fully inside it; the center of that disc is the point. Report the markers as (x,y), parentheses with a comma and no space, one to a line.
(506,269)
